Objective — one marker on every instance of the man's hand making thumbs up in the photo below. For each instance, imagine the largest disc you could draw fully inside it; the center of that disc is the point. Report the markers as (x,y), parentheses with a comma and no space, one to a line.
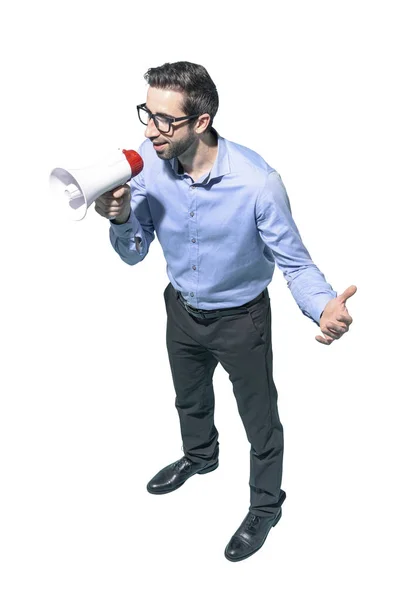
(335,319)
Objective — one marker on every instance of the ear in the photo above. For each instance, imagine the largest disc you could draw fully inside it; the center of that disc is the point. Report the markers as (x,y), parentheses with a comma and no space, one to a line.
(202,123)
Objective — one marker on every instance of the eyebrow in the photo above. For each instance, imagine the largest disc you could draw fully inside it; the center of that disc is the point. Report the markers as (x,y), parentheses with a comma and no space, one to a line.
(160,114)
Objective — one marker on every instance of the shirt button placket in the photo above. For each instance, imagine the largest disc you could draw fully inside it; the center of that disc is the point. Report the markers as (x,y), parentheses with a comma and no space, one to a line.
(193,233)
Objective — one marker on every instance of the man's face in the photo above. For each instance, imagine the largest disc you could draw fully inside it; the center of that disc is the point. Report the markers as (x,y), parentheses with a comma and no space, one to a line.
(180,137)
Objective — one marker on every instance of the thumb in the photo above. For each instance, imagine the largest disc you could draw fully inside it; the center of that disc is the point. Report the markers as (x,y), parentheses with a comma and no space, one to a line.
(348,293)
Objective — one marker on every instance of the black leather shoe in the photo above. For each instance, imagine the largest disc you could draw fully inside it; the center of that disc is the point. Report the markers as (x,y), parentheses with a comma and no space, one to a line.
(250,536)
(173,476)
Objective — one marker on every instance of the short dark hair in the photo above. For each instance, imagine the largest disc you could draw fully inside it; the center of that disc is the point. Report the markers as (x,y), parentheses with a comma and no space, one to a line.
(200,93)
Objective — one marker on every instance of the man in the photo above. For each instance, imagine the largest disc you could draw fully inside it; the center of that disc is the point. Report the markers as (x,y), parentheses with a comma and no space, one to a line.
(223,219)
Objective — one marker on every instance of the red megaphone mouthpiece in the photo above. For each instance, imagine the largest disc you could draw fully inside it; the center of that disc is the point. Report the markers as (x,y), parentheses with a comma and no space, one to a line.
(135,161)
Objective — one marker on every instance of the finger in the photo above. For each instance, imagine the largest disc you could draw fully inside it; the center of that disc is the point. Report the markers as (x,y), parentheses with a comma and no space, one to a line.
(115,193)
(116,202)
(348,293)
(339,335)
(107,212)
(326,341)
(119,192)
(99,210)
(109,203)
(107,196)
(330,334)
(345,319)
(102,202)
(340,329)
(336,335)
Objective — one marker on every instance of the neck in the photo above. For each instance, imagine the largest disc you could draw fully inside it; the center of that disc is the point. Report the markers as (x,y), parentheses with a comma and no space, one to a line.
(200,157)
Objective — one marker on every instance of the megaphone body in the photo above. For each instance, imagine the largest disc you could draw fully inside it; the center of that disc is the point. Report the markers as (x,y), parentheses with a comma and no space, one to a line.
(78,188)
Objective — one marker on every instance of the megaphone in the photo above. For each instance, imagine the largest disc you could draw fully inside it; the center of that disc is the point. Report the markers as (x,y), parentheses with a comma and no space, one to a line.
(76,189)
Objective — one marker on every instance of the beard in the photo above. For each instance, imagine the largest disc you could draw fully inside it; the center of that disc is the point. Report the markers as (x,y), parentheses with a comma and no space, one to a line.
(176,148)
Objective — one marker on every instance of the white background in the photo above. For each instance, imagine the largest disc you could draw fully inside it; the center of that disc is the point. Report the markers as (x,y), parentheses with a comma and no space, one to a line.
(87,407)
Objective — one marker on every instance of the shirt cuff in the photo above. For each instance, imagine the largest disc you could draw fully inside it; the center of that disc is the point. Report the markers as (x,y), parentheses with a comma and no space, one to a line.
(126,230)
(318,303)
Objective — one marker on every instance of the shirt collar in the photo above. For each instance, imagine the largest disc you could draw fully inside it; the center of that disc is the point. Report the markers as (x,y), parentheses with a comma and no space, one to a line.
(221,164)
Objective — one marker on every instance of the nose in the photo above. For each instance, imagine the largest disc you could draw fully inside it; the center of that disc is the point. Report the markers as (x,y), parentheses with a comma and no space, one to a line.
(151,130)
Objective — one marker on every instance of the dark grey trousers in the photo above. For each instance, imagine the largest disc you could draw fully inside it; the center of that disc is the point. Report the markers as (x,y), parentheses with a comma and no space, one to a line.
(242,344)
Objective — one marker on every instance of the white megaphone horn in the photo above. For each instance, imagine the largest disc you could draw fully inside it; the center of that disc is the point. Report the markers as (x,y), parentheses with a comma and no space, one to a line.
(78,188)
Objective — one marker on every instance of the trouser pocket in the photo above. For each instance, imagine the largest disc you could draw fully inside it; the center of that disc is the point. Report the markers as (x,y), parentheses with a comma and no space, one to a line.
(258,315)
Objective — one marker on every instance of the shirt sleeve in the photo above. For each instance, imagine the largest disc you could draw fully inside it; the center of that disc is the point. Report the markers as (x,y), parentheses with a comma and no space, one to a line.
(132,239)
(279,232)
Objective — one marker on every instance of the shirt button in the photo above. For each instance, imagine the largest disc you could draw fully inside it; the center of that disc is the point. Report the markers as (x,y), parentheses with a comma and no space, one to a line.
(191,293)
(191,214)
(193,240)
(194,267)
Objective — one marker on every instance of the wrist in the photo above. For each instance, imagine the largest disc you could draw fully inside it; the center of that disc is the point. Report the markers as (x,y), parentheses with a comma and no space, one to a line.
(122,219)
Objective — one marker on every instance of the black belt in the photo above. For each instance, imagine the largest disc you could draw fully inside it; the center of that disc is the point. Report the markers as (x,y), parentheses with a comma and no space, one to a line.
(212,314)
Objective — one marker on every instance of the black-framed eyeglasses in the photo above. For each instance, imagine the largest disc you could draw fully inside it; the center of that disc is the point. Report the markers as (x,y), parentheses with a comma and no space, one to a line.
(162,122)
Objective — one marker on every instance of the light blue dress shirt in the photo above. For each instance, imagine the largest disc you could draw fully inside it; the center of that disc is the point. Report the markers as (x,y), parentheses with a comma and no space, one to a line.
(221,235)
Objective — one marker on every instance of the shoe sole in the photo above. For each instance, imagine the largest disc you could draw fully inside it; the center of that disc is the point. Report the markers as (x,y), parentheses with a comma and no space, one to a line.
(257,549)
(202,472)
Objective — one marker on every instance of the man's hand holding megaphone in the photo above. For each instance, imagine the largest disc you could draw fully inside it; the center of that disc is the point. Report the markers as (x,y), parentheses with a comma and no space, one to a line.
(115,204)
(104,183)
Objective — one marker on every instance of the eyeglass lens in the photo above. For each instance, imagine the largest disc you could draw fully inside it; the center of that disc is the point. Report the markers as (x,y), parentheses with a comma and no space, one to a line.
(162,124)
